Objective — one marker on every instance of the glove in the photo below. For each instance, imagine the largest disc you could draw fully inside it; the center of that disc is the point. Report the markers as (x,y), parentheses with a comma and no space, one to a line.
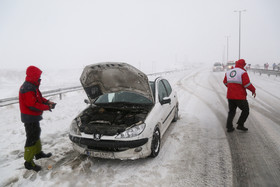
(254,94)
(50,109)
(52,105)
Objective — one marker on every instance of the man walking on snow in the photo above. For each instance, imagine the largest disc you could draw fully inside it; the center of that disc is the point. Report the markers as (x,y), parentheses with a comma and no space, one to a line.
(237,81)
(32,105)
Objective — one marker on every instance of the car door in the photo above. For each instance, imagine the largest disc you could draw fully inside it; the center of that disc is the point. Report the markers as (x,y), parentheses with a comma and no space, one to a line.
(165,108)
(171,94)
(173,100)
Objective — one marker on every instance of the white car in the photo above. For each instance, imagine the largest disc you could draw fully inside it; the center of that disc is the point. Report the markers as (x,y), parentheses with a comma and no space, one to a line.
(230,65)
(127,116)
(218,66)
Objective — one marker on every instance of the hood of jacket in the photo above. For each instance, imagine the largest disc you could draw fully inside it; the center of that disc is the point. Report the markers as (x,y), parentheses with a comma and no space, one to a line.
(33,75)
(240,64)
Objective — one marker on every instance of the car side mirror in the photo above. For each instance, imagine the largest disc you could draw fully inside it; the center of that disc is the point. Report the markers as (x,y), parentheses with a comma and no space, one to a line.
(165,100)
(87,101)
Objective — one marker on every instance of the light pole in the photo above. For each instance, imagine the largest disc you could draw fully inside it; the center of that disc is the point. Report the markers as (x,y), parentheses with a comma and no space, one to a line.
(227,47)
(240,11)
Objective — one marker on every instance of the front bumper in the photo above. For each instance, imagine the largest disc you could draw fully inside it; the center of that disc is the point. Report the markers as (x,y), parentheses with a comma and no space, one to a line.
(112,149)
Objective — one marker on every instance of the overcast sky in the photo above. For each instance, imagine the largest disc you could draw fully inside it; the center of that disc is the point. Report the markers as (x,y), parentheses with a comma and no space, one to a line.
(145,33)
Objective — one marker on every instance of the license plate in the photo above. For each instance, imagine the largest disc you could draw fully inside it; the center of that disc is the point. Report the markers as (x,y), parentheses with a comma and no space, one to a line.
(99,154)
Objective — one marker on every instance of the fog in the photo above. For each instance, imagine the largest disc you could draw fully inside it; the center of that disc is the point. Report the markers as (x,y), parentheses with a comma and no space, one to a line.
(150,34)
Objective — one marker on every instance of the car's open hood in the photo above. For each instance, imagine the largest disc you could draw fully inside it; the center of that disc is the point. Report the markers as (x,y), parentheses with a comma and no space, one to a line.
(102,78)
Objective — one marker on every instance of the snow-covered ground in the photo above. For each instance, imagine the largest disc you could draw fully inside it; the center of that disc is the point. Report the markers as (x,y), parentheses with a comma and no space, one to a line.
(196,150)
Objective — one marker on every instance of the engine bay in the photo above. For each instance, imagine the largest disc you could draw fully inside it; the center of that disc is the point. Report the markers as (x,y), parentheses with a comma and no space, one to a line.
(110,121)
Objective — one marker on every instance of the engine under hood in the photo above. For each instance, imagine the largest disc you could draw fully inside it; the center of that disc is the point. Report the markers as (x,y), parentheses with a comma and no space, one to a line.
(110,121)
(108,77)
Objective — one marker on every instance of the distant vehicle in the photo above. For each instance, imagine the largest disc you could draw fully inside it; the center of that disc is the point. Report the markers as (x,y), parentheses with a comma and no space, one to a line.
(128,115)
(218,66)
(230,65)
(257,66)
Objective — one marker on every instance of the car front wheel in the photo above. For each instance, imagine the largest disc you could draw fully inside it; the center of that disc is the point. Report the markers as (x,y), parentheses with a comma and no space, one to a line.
(155,147)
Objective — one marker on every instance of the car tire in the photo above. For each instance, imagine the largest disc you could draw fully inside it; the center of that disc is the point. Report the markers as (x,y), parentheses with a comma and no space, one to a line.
(176,115)
(155,146)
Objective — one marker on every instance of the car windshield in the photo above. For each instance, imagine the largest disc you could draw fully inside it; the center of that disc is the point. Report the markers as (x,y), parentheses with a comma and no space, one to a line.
(230,63)
(122,97)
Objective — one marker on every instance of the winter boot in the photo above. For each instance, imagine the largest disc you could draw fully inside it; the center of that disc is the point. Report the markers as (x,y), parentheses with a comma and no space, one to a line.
(29,153)
(240,127)
(42,155)
(230,129)
(32,166)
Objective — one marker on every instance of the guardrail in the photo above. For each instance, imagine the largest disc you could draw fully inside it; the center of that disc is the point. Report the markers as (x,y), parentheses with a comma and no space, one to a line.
(14,100)
(60,91)
(264,71)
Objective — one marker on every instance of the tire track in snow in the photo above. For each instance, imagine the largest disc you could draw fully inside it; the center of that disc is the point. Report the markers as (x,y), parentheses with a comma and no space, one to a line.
(217,113)
(260,88)
(220,116)
(252,165)
(255,159)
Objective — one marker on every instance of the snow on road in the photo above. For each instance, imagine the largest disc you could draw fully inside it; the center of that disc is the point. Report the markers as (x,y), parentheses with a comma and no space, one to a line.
(196,150)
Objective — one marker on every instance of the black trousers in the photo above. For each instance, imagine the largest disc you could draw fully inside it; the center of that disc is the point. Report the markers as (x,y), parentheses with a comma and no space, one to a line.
(243,106)
(33,132)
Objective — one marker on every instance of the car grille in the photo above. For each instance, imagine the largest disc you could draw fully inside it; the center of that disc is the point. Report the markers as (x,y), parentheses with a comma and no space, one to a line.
(108,145)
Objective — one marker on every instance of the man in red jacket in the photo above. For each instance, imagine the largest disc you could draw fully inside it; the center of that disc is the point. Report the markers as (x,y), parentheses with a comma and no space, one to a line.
(32,105)
(237,81)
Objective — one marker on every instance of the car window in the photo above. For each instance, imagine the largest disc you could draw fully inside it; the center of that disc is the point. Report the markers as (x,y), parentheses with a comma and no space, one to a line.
(168,87)
(161,91)
(125,97)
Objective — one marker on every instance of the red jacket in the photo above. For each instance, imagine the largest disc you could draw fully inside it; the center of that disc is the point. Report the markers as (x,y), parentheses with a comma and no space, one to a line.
(237,81)
(31,102)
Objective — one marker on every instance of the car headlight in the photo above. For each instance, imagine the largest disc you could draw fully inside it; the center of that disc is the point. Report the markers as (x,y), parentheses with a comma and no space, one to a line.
(74,129)
(133,131)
